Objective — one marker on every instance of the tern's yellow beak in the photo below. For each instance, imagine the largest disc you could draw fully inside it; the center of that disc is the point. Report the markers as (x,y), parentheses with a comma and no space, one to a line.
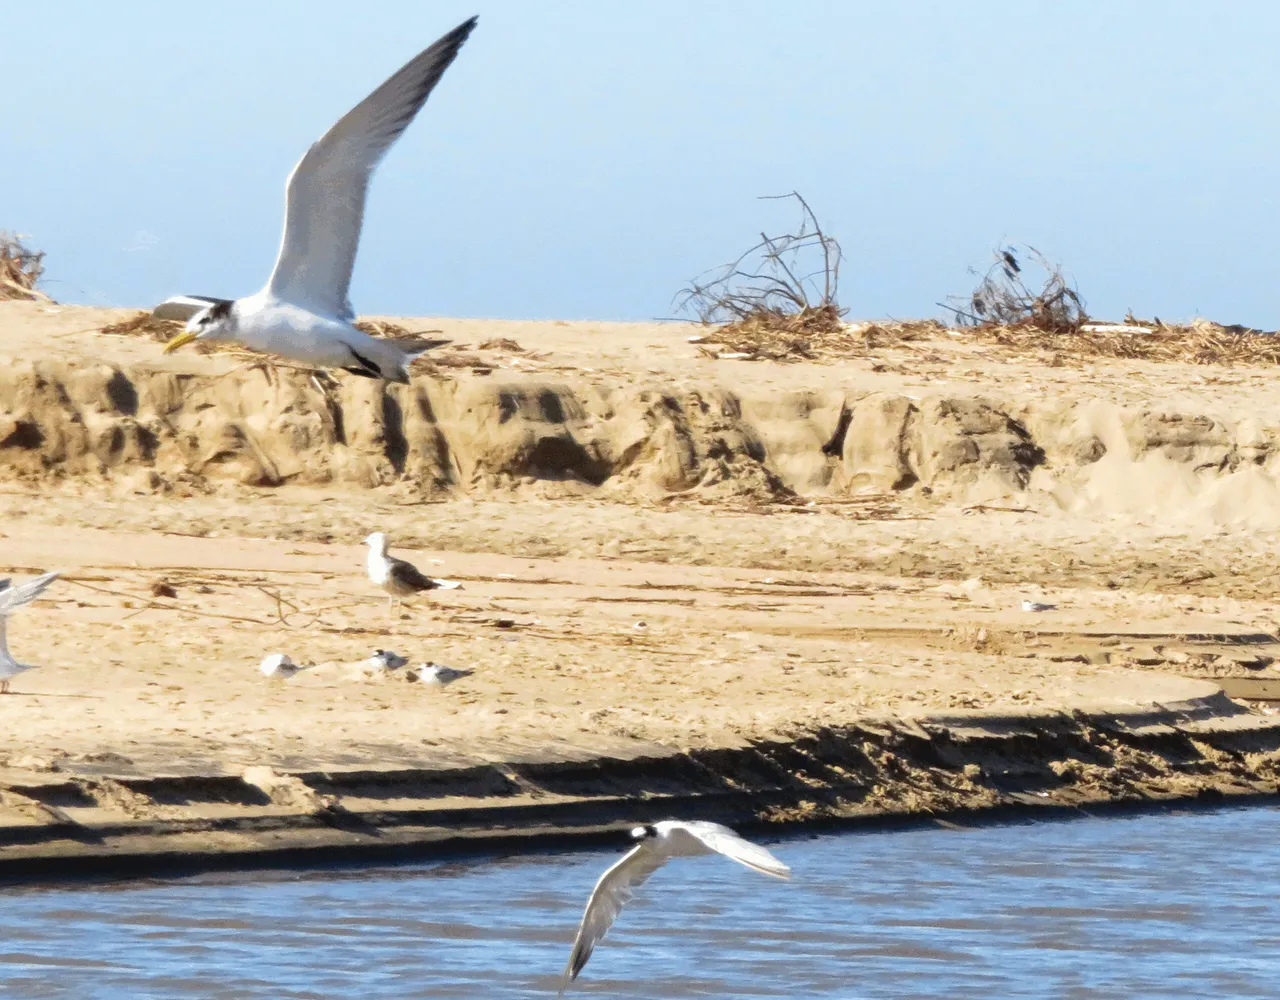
(185,337)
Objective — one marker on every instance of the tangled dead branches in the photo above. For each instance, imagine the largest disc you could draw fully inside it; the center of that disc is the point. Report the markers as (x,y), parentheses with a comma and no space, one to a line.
(20,269)
(784,288)
(1004,298)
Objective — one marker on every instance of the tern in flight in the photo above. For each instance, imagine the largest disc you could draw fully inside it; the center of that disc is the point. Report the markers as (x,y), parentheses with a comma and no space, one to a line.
(658,844)
(304,312)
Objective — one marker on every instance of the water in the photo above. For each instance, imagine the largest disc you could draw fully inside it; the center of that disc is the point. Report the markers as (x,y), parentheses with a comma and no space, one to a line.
(1158,906)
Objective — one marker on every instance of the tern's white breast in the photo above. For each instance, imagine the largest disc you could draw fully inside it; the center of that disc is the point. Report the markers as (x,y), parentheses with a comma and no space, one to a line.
(269,324)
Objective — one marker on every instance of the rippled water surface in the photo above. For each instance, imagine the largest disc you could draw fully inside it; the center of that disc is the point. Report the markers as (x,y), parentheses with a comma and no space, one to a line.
(1159,906)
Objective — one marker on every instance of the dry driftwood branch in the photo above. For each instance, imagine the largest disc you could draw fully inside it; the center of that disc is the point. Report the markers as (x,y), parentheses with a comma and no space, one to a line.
(775,298)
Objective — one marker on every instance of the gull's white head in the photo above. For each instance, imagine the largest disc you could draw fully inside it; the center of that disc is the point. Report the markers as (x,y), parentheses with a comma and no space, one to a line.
(212,323)
(644,832)
(377,541)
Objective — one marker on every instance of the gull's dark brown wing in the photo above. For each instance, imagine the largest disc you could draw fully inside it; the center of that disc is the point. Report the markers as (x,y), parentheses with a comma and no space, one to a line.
(408,575)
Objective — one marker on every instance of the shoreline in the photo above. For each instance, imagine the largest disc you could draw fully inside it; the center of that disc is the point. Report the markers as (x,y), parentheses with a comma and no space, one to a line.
(976,767)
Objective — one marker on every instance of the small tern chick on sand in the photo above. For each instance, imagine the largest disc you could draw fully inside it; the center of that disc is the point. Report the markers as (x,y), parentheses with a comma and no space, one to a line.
(11,599)
(385,659)
(397,577)
(658,844)
(304,312)
(438,676)
(278,665)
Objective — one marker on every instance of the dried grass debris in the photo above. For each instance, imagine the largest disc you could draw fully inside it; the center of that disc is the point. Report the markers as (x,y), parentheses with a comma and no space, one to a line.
(502,344)
(143,324)
(20,269)
(385,329)
(760,343)
(1200,342)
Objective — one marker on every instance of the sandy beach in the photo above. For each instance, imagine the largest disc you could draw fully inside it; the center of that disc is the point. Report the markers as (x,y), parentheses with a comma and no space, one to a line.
(662,551)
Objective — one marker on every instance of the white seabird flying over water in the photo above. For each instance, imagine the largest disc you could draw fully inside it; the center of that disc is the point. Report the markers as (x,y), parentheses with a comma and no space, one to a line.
(658,844)
(304,312)
(397,577)
(11,599)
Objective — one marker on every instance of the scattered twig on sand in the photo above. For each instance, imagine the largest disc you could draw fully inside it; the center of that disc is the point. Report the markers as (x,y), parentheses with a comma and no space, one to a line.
(20,269)
(1004,298)
(283,616)
(151,605)
(777,300)
(276,596)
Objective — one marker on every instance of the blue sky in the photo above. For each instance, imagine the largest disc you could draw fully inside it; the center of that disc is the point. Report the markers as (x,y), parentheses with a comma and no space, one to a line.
(582,159)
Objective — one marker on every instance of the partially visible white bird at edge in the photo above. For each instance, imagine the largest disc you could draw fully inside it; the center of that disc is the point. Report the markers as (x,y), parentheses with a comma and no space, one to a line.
(397,577)
(11,599)
(279,665)
(304,313)
(439,676)
(658,844)
(385,659)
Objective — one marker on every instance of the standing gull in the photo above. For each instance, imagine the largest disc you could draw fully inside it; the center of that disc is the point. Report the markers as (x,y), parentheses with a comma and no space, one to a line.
(304,312)
(12,598)
(658,844)
(397,577)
